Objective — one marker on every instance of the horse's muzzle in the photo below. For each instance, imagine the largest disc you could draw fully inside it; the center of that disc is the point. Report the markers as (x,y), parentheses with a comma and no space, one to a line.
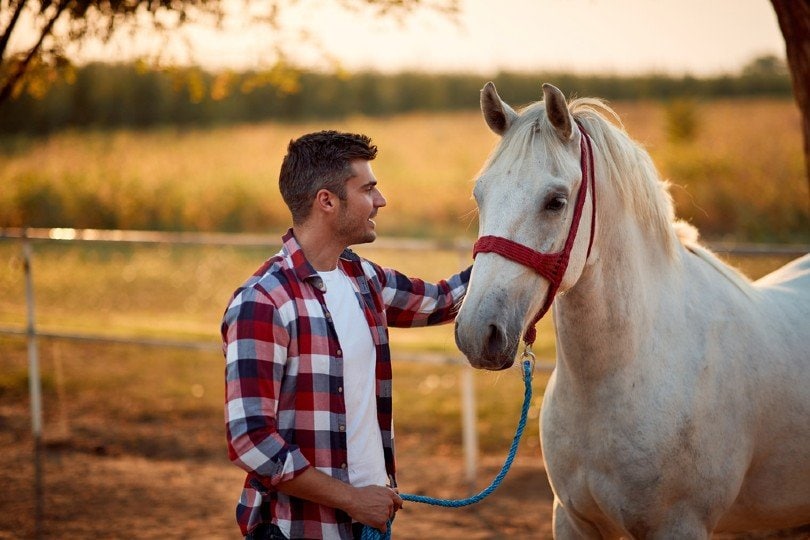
(488,350)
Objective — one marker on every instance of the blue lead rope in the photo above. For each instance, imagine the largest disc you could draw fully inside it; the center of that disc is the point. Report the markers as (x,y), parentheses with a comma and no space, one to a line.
(370,533)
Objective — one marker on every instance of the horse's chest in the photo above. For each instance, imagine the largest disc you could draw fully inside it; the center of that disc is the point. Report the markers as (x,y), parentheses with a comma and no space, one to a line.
(605,452)
(617,462)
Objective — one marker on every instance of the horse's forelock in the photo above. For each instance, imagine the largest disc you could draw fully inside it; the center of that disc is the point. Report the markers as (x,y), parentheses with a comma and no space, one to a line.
(517,143)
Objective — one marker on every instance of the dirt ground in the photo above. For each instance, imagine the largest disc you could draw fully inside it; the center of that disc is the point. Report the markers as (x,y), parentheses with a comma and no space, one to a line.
(100,489)
(98,492)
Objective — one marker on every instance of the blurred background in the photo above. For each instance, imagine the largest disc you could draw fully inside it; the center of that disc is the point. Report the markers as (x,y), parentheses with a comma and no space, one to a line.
(173,117)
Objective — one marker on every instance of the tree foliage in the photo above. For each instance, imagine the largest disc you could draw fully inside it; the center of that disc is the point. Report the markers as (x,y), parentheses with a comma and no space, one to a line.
(51,26)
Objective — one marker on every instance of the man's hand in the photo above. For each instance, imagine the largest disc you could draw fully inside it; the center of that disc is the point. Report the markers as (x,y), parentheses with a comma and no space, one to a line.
(374,506)
(370,505)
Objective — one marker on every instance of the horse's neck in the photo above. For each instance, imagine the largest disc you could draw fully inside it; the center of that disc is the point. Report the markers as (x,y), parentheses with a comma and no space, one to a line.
(608,312)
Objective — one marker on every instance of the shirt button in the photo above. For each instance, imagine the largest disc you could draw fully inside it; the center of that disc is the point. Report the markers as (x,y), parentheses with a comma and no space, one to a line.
(343,466)
(340,389)
(342,428)
(339,352)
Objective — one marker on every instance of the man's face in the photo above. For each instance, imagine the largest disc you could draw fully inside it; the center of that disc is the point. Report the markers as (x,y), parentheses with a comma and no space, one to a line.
(355,223)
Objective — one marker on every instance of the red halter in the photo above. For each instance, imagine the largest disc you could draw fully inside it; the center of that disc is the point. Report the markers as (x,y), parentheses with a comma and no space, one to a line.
(551,266)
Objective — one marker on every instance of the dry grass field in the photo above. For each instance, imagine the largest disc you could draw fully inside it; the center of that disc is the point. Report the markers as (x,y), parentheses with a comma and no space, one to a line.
(739,174)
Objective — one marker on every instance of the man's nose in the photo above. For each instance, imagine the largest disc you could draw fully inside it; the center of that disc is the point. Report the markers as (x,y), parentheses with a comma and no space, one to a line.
(380,200)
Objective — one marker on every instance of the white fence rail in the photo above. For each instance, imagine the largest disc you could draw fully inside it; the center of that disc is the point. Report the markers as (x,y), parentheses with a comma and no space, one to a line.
(462,247)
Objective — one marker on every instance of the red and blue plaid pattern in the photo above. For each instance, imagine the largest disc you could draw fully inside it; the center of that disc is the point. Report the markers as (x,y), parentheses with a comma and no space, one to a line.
(284,404)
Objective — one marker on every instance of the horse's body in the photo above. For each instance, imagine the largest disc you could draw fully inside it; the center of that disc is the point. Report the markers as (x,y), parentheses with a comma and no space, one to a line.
(680,402)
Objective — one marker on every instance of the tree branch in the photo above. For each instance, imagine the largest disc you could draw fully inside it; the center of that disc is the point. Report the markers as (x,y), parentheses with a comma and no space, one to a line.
(11,83)
(12,23)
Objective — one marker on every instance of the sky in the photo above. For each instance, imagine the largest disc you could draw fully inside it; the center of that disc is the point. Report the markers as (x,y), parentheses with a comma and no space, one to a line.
(696,37)
(622,36)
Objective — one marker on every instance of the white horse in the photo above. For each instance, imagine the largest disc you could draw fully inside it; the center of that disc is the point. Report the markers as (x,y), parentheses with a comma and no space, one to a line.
(680,401)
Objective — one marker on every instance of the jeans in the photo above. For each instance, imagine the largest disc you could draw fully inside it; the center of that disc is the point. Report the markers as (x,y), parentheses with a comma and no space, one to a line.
(268,531)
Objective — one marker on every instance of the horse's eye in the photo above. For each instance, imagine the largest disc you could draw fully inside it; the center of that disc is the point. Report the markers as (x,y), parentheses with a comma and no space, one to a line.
(556,204)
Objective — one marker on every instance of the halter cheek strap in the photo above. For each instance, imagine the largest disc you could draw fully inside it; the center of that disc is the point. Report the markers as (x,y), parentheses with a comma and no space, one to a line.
(551,266)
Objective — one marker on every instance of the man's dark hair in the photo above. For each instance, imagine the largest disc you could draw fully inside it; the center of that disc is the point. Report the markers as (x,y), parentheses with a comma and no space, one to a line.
(318,161)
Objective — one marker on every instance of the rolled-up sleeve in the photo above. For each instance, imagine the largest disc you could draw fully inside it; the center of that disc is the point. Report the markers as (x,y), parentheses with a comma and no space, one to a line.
(256,340)
(414,302)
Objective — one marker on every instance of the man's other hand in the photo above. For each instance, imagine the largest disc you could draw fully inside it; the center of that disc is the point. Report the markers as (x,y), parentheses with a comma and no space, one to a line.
(374,506)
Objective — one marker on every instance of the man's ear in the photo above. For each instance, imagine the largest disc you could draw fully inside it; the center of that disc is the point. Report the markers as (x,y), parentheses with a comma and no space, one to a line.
(325,200)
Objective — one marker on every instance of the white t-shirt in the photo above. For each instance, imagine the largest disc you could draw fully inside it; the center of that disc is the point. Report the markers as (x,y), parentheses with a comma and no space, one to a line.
(366,462)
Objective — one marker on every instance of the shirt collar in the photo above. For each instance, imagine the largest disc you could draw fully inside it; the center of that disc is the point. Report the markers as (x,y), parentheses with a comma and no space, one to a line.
(301,266)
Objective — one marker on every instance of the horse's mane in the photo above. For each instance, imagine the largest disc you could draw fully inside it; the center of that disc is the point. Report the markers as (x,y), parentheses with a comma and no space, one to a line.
(629,166)
(638,181)
(630,170)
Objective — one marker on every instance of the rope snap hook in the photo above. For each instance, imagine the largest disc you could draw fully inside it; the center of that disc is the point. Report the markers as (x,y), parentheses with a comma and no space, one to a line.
(529,360)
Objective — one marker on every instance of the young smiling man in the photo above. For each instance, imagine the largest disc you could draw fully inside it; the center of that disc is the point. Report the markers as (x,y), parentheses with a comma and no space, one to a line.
(308,366)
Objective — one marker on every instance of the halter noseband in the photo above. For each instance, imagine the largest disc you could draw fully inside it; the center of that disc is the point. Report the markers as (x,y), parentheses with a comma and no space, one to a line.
(551,266)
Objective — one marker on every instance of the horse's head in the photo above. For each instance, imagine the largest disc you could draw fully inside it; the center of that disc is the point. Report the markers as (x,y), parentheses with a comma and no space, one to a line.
(526,193)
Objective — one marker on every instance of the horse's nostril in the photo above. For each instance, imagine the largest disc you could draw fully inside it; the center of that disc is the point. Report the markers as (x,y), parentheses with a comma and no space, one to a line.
(495,341)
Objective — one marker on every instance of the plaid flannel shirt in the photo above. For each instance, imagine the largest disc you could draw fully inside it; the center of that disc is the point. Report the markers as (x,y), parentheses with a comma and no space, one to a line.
(284,408)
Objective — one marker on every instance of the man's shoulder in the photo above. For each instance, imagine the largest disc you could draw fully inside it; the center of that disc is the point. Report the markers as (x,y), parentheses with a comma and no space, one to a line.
(274,281)
(371,270)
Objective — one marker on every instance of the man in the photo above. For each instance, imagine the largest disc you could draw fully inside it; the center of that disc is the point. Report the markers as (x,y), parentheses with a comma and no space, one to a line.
(308,367)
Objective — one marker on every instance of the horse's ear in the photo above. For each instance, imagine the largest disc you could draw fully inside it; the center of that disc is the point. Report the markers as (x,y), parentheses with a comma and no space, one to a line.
(499,115)
(557,111)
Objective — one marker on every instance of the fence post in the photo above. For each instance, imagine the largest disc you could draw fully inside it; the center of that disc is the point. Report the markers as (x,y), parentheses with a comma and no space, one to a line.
(469,426)
(34,386)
